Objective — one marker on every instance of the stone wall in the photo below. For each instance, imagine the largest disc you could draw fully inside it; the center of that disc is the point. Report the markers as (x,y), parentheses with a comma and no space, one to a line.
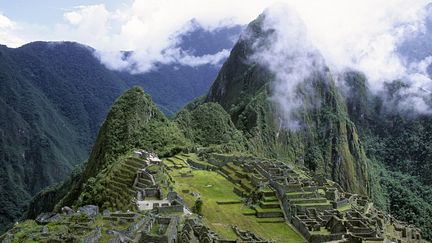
(170,235)
(200,166)
(341,203)
(170,209)
(220,160)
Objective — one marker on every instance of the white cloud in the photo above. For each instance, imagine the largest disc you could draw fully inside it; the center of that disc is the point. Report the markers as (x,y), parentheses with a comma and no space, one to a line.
(213,59)
(86,24)
(288,53)
(149,28)
(7,32)
(349,33)
(360,35)
(363,35)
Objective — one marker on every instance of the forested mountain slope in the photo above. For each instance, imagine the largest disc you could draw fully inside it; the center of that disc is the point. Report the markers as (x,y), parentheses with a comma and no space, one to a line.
(55,95)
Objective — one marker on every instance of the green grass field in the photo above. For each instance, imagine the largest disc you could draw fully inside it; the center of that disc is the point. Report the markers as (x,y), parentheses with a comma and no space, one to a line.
(213,187)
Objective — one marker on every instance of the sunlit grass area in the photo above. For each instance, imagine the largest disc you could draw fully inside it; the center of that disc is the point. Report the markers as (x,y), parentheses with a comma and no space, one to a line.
(213,187)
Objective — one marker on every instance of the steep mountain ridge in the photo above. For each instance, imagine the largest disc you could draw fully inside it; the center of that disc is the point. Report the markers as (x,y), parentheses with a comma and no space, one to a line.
(327,142)
(133,122)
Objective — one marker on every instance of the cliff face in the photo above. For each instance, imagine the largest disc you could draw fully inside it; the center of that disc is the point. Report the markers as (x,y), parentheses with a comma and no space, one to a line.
(326,140)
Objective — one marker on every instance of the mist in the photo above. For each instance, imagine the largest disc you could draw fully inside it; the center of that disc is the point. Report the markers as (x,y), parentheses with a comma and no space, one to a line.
(365,36)
(376,37)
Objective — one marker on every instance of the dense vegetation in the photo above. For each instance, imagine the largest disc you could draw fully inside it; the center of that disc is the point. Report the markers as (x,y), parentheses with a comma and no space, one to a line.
(400,146)
(50,115)
(327,141)
(54,97)
(133,122)
(209,124)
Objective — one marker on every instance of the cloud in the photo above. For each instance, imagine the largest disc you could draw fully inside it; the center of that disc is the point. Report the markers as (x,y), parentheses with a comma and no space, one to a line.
(287,51)
(347,35)
(7,32)
(362,35)
(86,24)
(149,28)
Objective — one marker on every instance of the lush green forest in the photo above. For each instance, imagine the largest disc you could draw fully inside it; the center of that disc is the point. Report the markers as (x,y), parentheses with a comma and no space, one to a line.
(54,97)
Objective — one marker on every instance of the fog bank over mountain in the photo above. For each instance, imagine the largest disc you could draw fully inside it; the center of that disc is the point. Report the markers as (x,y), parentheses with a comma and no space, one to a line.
(351,37)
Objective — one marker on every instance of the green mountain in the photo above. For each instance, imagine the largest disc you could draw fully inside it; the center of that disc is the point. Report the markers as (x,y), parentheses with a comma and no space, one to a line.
(49,117)
(231,159)
(352,137)
(328,142)
(133,122)
(54,97)
(237,195)
(399,147)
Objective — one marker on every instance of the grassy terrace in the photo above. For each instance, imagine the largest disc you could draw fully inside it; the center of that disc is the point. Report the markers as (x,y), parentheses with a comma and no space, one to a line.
(344,208)
(271,199)
(314,204)
(174,161)
(230,168)
(299,193)
(260,209)
(214,187)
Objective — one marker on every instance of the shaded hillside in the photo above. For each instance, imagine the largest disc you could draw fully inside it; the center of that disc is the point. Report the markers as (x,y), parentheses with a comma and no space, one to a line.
(50,112)
(399,143)
(54,97)
(327,141)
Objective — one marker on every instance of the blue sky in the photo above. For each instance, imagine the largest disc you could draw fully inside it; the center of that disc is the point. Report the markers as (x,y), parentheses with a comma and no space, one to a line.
(48,12)
(146,27)
(124,24)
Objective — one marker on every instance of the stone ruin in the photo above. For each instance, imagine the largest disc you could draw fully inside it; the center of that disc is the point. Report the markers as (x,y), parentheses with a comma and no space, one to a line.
(319,209)
(194,231)
(248,236)
(159,229)
(146,186)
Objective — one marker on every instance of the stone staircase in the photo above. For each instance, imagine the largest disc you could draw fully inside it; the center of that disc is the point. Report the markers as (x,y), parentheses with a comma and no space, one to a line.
(120,189)
(146,186)
(269,208)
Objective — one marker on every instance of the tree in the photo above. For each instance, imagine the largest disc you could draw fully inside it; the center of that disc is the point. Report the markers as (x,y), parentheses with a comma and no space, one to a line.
(197,208)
